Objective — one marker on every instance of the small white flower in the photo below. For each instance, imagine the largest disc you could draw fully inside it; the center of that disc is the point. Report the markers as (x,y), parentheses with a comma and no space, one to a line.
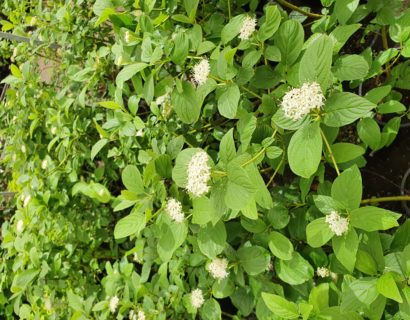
(23,148)
(140,133)
(132,315)
(323,272)
(20,226)
(162,99)
(201,71)
(26,200)
(174,210)
(298,102)
(337,224)
(218,268)
(197,298)
(53,130)
(44,164)
(47,304)
(248,27)
(141,315)
(135,257)
(198,174)
(113,304)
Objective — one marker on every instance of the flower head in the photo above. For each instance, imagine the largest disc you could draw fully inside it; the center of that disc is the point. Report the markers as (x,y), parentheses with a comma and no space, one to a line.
(247,28)
(44,164)
(113,304)
(26,200)
(218,268)
(323,272)
(198,174)
(337,224)
(298,102)
(197,298)
(140,315)
(174,210)
(201,71)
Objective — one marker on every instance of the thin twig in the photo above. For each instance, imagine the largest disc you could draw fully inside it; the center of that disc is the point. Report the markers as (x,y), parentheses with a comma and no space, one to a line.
(330,152)
(296,8)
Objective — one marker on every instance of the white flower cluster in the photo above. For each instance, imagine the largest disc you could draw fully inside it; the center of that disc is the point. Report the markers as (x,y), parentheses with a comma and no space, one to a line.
(113,304)
(323,272)
(247,28)
(201,71)
(337,224)
(197,298)
(140,315)
(19,226)
(218,268)
(198,174)
(298,102)
(174,210)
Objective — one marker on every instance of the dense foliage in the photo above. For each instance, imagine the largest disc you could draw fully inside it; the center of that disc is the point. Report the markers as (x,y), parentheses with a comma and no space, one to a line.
(200,159)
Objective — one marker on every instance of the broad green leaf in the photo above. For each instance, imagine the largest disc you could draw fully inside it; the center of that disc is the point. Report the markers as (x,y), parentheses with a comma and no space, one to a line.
(239,189)
(365,263)
(391,106)
(211,310)
(341,34)
(271,23)
(285,123)
(359,293)
(373,218)
(186,104)
(131,224)
(375,95)
(345,248)
(203,210)
(347,188)
(280,306)
(231,30)
(386,285)
(369,131)
(316,62)
(171,237)
(350,67)
(128,72)
(265,78)
(294,271)
(318,233)
(305,150)
(228,101)
(327,204)
(319,297)
(254,260)
(97,147)
(211,240)
(280,245)
(344,9)
(227,150)
(289,40)
(181,47)
(344,152)
(131,178)
(344,108)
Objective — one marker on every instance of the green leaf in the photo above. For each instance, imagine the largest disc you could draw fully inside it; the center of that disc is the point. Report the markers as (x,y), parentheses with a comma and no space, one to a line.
(203,210)
(179,173)
(369,131)
(373,218)
(319,297)
(171,237)
(128,72)
(181,47)
(358,294)
(345,248)
(271,23)
(280,246)
(391,106)
(305,150)
(344,9)
(228,101)
(344,152)
(254,260)
(265,78)
(344,108)
(211,310)
(347,188)
(294,271)
(285,123)
(375,95)
(97,147)
(386,285)
(318,233)
(212,240)
(289,40)
(231,30)
(131,178)
(341,34)
(131,224)
(239,189)
(316,62)
(227,150)
(350,67)
(365,263)
(280,306)
(326,204)
(186,104)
